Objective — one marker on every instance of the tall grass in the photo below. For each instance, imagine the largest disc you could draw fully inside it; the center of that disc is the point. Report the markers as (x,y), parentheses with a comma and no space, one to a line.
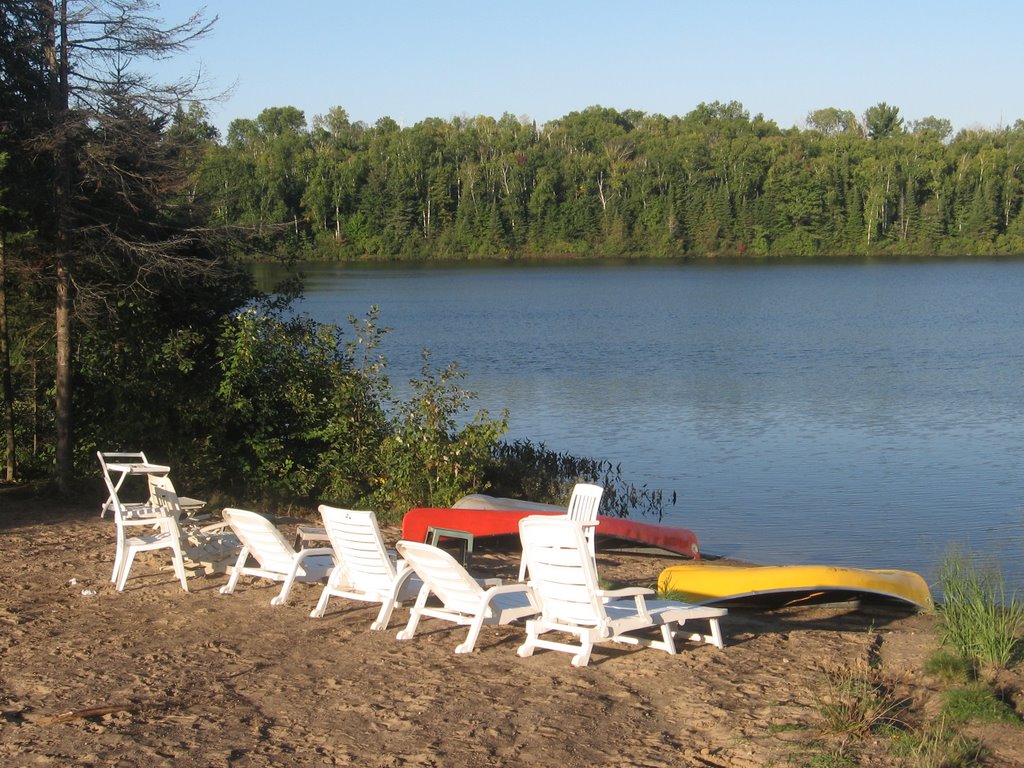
(977,618)
(856,701)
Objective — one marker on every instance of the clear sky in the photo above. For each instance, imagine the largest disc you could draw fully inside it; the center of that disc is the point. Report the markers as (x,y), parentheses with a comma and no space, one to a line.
(545,58)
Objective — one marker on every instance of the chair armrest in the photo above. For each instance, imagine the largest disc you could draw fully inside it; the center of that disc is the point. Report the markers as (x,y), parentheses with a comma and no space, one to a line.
(215,527)
(501,589)
(155,518)
(302,554)
(613,594)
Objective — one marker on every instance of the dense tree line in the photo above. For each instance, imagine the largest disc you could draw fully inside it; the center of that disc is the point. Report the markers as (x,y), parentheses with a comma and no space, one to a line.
(618,183)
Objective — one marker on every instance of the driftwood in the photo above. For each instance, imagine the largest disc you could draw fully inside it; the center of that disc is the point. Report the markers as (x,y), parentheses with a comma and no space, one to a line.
(87,713)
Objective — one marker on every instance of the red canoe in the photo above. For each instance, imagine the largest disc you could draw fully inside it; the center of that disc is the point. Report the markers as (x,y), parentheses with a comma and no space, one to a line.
(502,522)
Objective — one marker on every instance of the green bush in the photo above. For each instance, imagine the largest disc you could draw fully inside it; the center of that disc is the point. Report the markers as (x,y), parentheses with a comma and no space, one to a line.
(427,459)
(524,470)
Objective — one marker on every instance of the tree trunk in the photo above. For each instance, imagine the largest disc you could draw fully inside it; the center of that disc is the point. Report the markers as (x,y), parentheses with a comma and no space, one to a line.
(5,371)
(59,97)
(62,405)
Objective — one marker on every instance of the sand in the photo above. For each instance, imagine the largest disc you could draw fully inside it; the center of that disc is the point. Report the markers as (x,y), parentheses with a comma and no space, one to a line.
(155,676)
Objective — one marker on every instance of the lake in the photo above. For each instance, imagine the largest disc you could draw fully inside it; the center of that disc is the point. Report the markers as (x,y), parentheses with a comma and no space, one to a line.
(862,414)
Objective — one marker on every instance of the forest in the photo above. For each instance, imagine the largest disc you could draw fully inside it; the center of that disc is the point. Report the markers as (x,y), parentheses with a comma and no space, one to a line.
(715,182)
(129,318)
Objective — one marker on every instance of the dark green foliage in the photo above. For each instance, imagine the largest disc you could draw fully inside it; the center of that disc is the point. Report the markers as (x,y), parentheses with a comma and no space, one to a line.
(524,470)
(604,182)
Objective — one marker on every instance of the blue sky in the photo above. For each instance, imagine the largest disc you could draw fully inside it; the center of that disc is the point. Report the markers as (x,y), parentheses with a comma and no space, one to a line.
(545,58)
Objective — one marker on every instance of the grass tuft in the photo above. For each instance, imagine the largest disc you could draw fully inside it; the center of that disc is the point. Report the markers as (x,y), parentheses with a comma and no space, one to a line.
(976,617)
(950,667)
(856,702)
(976,702)
(939,746)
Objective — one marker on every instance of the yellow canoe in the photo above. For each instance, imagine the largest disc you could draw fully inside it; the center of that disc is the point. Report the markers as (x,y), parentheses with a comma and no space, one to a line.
(706,582)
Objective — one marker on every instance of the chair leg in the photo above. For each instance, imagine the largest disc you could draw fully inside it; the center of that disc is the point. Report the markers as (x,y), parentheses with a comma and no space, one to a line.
(126,565)
(388,605)
(321,604)
(236,572)
(474,633)
(716,634)
(530,645)
(668,640)
(414,615)
(582,658)
(179,566)
(118,556)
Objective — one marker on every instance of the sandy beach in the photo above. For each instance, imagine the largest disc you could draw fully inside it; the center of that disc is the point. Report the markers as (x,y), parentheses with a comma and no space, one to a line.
(155,676)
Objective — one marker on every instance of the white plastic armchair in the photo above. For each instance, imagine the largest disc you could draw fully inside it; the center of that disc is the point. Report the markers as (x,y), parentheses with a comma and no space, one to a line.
(366,570)
(564,583)
(157,529)
(275,557)
(584,504)
(464,600)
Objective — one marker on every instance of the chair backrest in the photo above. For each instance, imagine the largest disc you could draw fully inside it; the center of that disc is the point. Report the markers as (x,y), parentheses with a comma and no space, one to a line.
(261,537)
(115,505)
(584,502)
(160,482)
(563,574)
(129,457)
(356,539)
(443,574)
(165,498)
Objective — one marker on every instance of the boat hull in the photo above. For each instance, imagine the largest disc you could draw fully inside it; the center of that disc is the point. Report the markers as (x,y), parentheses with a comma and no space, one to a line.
(707,583)
(503,522)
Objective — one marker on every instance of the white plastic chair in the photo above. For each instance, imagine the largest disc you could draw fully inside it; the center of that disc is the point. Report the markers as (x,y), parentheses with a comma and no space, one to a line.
(584,504)
(365,569)
(563,580)
(464,600)
(163,532)
(275,557)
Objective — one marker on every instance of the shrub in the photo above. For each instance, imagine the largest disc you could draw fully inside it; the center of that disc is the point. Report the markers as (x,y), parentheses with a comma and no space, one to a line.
(524,470)
(426,459)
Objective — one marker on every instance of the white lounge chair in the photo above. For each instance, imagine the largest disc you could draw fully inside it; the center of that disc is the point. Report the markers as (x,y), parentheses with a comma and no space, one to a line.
(161,532)
(563,580)
(275,557)
(365,569)
(584,504)
(463,599)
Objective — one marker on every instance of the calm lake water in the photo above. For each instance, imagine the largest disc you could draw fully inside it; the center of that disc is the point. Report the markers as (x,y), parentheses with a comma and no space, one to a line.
(858,414)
